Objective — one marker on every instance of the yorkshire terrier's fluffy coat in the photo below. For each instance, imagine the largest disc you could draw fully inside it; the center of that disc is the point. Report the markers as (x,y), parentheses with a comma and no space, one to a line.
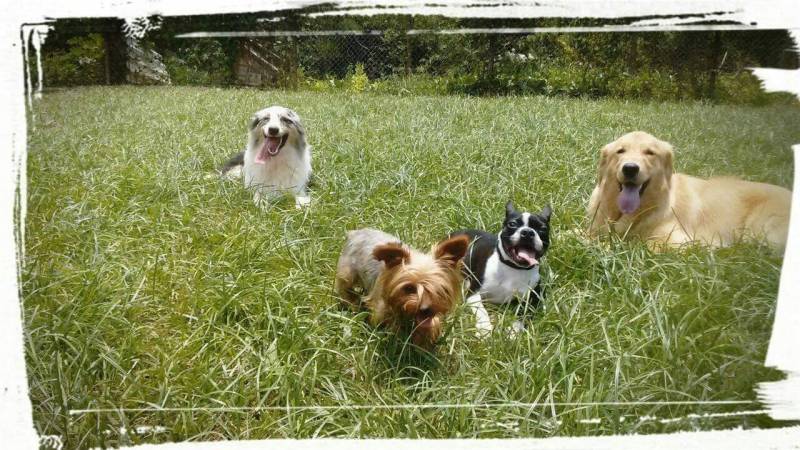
(406,289)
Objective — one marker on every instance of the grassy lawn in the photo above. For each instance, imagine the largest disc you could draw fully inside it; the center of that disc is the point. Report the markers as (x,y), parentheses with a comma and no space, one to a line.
(147,285)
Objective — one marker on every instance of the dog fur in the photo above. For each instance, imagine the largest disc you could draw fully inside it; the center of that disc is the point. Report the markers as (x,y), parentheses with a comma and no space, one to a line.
(673,209)
(504,267)
(277,159)
(406,289)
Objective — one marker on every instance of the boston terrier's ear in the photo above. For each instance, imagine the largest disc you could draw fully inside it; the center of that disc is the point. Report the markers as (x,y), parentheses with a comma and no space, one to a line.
(509,209)
(546,213)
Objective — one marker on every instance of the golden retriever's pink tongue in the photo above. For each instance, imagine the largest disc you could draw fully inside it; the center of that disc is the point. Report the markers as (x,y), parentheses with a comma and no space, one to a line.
(629,200)
(270,148)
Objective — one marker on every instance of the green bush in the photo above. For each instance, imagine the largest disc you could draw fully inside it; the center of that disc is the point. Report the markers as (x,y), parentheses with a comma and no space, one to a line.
(416,84)
(358,81)
(745,88)
(309,83)
(520,73)
(200,62)
(651,84)
(80,63)
(740,88)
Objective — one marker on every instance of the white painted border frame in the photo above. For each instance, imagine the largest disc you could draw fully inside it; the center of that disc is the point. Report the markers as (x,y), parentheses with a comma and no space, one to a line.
(16,421)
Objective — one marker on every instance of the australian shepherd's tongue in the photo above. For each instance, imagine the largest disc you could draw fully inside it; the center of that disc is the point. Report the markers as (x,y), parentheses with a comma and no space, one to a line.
(629,199)
(270,148)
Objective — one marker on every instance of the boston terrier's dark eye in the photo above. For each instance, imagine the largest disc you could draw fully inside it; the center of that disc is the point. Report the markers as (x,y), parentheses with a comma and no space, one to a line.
(512,224)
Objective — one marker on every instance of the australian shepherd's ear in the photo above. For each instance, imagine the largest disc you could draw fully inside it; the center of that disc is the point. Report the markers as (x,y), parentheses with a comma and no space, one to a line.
(452,250)
(253,122)
(295,122)
(391,254)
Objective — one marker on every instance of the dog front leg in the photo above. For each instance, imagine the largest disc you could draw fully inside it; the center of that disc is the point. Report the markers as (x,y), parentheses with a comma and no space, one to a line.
(527,305)
(344,285)
(523,305)
(260,199)
(483,325)
(665,239)
(516,328)
(302,199)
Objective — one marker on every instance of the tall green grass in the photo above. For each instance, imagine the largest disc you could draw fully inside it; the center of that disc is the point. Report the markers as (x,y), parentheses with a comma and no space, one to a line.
(147,285)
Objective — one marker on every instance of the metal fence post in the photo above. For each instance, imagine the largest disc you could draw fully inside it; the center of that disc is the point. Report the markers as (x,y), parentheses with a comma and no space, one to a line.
(716,58)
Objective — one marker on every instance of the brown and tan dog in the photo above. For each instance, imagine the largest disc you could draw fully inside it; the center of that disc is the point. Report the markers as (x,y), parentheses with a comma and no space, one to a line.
(638,196)
(406,289)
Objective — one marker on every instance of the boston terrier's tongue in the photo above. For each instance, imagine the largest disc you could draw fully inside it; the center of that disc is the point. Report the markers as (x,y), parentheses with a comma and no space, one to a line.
(527,256)
(270,148)
(628,200)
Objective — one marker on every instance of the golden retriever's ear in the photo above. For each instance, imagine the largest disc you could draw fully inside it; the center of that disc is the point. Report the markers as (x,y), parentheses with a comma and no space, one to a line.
(391,254)
(601,166)
(666,159)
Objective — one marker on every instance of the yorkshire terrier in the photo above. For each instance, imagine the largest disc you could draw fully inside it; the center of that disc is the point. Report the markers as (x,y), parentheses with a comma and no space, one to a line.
(406,290)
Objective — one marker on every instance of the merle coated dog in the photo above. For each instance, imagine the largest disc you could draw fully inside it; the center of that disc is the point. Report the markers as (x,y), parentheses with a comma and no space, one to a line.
(277,159)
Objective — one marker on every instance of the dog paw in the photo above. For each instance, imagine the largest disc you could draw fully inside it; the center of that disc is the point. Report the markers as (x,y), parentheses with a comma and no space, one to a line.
(483,329)
(301,202)
(261,201)
(516,329)
(578,234)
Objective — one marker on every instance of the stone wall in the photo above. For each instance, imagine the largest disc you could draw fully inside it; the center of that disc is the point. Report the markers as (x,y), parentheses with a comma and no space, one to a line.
(145,65)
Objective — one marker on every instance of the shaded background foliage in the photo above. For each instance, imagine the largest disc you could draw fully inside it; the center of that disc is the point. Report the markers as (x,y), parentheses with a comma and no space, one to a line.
(651,65)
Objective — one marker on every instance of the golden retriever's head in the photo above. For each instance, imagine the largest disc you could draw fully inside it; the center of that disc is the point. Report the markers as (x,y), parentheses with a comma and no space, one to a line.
(638,166)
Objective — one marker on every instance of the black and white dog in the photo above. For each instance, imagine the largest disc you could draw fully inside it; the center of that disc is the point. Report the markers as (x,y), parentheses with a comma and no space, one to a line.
(504,267)
(277,159)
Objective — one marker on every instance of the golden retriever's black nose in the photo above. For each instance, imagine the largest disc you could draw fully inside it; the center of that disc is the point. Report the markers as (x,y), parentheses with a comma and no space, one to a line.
(630,170)
(272,131)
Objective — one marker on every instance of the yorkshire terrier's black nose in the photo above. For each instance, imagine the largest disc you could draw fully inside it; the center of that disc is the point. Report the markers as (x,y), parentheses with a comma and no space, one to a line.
(425,310)
(630,170)
(272,131)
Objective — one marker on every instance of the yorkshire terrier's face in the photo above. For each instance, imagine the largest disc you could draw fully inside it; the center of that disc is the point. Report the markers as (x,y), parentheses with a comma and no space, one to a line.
(421,289)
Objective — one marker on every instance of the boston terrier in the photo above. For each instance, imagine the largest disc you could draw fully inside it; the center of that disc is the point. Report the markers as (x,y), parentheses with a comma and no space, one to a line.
(504,267)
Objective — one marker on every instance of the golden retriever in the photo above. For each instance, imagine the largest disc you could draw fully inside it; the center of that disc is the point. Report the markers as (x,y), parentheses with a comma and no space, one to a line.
(638,196)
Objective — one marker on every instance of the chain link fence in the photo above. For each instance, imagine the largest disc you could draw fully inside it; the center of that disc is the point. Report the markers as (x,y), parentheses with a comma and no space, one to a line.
(704,64)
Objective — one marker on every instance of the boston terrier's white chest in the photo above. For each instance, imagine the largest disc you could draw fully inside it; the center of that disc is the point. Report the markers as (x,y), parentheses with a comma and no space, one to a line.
(502,283)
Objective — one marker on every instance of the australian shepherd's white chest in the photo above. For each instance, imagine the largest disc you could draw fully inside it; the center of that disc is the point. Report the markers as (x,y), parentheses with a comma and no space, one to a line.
(277,160)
